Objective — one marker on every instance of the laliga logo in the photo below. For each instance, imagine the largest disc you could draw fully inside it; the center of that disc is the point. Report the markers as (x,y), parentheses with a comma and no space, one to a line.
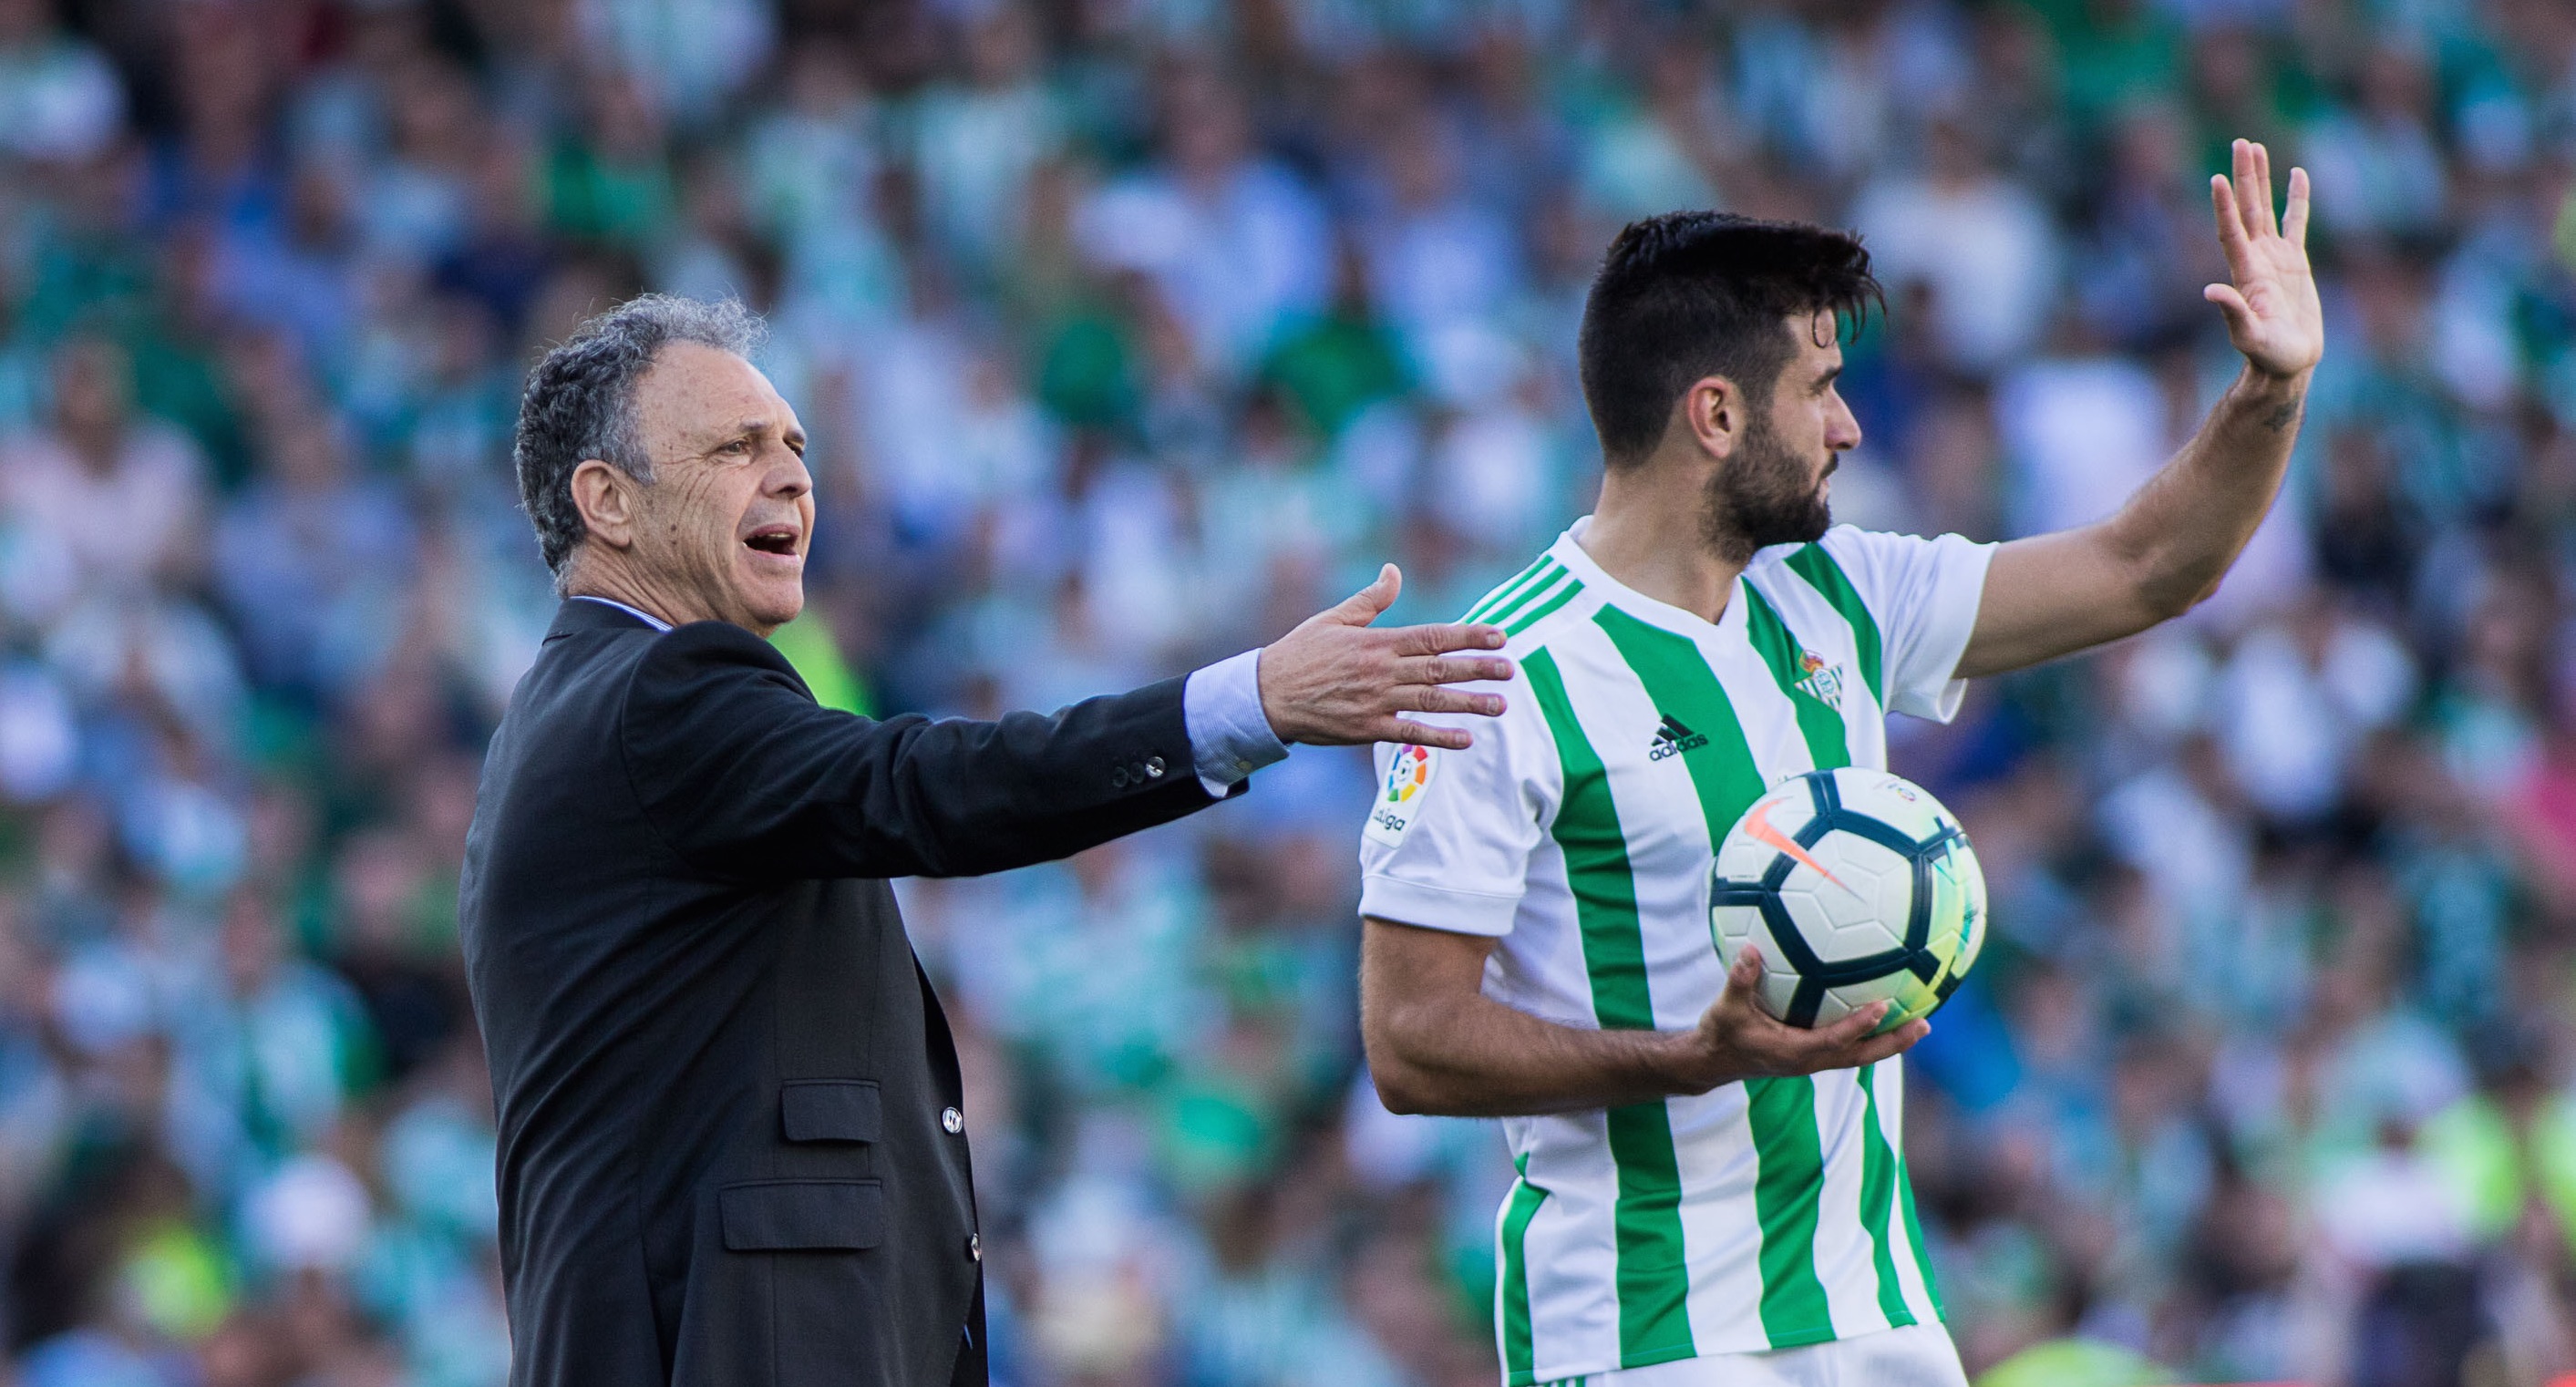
(1406,780)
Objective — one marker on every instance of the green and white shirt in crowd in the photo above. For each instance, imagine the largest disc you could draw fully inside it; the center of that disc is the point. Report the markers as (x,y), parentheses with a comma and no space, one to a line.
(1578,831)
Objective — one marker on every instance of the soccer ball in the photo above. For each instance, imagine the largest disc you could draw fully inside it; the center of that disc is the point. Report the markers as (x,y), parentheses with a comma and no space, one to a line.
(1855,885)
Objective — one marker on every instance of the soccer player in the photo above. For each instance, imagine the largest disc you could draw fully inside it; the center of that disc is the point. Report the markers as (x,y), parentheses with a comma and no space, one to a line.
(1706,1195)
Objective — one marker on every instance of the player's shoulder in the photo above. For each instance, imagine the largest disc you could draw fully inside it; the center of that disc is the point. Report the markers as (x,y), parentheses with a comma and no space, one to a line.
(1844,562)
(1532,603)
(1840,543)
(1508,602)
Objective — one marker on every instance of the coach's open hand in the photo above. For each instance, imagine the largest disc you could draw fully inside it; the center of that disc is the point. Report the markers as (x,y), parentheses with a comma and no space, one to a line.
(1737,1039)
(1337,680)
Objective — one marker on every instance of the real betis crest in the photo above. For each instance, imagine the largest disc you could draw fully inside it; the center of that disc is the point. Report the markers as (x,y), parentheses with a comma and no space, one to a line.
(1821,682)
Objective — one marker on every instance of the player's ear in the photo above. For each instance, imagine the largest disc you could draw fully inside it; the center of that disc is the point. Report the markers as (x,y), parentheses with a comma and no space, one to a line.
(1713,411)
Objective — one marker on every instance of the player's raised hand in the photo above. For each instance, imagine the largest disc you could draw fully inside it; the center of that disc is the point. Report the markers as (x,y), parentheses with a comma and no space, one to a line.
(1737,1039)
(2273,315)
(1337,680)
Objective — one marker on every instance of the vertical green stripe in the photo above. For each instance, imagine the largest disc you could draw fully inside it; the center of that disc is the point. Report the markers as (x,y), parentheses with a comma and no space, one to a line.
(1596,861)
(1653,1275)
(1789,1178)
(1536,614)
(1680,684)
(1519,1359)
(1505,589)
(1789,1187)
(1826,576)
(1818,721)
(1878,1201)
(1914,1235)
(1547,579)
(1790,1171)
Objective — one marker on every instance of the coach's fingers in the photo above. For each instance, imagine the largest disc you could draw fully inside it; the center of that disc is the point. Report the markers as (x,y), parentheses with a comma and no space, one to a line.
(1437,669)
(1432,698)
(1443,637)
(1367,604)
(1422,734)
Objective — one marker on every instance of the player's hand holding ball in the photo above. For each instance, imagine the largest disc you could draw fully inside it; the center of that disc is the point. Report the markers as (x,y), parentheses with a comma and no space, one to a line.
(1737,1039)
(1847,905)
(1851,887)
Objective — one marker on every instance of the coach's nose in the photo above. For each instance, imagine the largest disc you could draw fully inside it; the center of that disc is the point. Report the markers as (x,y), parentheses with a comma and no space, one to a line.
(788,477)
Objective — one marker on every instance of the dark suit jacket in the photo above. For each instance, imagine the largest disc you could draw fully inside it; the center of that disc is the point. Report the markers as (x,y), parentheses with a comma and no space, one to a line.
(728,1149)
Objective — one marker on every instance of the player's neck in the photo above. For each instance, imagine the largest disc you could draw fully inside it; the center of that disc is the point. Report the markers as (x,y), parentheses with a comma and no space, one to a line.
(1646,534)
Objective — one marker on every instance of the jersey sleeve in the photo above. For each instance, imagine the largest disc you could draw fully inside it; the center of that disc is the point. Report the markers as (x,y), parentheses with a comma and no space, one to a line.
(1920,598)
(1449,835)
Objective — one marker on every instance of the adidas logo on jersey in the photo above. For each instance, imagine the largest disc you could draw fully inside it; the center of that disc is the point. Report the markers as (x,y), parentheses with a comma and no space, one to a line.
(1672,739)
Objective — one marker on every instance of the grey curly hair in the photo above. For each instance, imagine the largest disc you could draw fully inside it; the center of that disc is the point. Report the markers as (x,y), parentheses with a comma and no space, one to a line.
(580,402)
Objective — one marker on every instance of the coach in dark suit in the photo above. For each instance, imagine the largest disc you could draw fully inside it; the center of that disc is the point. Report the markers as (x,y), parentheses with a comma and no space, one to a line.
(733,1145)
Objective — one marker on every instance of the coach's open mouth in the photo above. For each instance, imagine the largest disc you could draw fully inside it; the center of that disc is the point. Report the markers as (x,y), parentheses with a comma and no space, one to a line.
(773,539)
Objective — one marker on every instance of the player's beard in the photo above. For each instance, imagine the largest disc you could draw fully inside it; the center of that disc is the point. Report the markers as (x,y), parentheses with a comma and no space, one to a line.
(1763,495)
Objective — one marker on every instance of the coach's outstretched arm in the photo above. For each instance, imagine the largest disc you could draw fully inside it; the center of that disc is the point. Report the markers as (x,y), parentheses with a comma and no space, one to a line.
(741,774)
(668,479)
(2165,550)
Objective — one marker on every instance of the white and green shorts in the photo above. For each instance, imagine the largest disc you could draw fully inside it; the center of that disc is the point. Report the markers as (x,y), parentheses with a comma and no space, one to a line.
(1916,1355)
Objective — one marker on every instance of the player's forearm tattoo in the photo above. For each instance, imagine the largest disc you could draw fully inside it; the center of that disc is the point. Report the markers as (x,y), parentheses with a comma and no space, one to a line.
(2286,412)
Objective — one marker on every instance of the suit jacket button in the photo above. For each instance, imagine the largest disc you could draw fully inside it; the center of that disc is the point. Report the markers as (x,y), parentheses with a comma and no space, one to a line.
(1153,766)
(953,1120)
(975,1246)
(1118,778)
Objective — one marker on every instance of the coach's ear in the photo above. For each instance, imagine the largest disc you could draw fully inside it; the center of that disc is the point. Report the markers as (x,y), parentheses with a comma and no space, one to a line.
(605,496)
(1713,410)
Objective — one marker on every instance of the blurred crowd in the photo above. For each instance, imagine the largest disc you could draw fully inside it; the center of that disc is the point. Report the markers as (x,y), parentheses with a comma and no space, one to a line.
(1130,331)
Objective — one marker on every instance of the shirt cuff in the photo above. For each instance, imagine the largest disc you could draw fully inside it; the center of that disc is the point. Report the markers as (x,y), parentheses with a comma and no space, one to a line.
(1230,736)
(1437,907)
(1950,619)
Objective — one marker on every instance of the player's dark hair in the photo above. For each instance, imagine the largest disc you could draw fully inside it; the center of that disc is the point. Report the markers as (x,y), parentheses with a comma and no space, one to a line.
(1687,295)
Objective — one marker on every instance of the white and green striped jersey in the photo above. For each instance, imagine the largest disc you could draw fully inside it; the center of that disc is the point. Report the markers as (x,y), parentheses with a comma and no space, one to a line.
(1578,831)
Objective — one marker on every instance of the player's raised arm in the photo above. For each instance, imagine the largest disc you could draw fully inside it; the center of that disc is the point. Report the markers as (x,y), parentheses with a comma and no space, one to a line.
(2166,549)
